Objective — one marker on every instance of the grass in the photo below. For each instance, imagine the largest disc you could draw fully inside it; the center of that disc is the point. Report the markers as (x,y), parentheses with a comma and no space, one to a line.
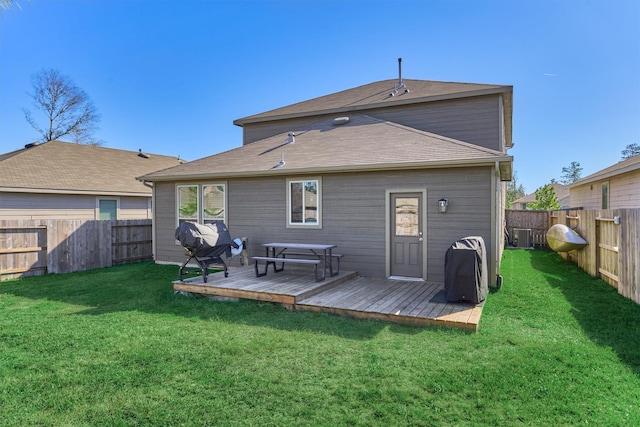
(116,347)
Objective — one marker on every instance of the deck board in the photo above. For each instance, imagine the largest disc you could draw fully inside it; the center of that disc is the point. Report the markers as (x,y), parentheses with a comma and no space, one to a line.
(408,302)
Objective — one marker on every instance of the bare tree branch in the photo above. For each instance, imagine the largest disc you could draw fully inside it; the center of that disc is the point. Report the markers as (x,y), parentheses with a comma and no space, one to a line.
(67,109)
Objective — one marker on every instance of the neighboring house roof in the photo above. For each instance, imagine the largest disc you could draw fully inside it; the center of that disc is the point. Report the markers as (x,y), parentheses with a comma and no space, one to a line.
(364,143)
(63,167)
(628,165)
(378,95)
(562,193)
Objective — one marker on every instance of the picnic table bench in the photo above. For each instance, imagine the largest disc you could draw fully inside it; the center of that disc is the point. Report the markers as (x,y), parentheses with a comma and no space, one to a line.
(281,253)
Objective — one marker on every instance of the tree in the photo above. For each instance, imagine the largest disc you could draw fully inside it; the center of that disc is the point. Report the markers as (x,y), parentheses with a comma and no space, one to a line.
(8,4)
(68,110)
(571,174)
(630,151)
(546,199)
(514,190)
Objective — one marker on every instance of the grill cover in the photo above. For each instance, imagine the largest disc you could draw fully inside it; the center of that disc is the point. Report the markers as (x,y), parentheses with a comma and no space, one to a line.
(205,240)
(465,271)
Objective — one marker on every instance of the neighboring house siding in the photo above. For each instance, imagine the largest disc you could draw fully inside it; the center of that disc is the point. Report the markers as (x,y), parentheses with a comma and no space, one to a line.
(353,215)
(475,120)
(624,192)
(63,206)
(134,208)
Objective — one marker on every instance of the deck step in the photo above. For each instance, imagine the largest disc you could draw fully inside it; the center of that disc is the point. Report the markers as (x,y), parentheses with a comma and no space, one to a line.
(328,284)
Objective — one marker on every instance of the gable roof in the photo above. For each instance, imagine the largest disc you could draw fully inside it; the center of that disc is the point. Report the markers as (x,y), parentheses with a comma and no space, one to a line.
(63,167)
(364,143)
(378,94)
(628,165)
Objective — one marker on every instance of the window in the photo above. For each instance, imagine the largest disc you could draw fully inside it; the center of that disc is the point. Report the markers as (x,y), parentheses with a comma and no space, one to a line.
(212,203)
(107,209)
(187,203)
(303,203)
(605,195)
(203,203)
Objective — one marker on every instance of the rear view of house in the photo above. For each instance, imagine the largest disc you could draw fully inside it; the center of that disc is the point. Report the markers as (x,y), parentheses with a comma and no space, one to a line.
(392,172)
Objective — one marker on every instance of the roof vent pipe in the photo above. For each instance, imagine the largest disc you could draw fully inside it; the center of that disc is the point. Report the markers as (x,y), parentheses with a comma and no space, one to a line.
(400,84)
(281,163)
(292,138)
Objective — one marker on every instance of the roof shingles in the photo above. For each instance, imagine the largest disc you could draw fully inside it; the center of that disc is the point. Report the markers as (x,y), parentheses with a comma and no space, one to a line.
(363,143)
(375,95)
(68,167)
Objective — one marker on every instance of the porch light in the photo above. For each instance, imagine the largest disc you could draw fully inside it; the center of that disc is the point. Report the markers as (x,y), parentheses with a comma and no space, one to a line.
(442,205)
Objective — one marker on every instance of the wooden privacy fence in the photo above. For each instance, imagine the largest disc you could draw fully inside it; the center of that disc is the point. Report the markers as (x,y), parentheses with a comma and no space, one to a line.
(613,252)
(536,221)
(32,247)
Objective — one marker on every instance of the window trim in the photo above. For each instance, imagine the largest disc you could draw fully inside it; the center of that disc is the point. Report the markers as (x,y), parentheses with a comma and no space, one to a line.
(199,199)
(97,210)
(317,225)
(177,202)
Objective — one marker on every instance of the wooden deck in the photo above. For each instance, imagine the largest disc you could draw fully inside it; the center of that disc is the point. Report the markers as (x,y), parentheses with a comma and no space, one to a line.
(407,302)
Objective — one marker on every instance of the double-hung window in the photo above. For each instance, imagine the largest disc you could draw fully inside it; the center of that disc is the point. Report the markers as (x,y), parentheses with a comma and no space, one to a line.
(304,199)
(201,203)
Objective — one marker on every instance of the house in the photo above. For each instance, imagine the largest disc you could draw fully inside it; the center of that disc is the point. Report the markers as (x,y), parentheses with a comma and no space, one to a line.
(61,180)
(365,169)
(562,194)
(615,187)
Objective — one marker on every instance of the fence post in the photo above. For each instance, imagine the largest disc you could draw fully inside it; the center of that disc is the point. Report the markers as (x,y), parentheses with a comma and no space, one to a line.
(629,254)
(587,228)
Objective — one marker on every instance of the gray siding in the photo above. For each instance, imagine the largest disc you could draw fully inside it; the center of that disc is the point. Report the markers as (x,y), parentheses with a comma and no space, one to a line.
(164,219)
(66,206)
(475,120)
(353,215)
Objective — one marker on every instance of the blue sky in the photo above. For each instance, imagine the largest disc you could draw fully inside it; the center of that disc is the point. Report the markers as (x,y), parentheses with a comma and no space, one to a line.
(169,77)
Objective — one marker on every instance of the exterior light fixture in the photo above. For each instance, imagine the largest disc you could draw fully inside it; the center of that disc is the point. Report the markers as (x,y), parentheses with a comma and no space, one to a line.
(442,205)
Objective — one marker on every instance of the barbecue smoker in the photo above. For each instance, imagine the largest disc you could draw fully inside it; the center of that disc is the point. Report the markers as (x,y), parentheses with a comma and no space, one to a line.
(205,244)
(466,277)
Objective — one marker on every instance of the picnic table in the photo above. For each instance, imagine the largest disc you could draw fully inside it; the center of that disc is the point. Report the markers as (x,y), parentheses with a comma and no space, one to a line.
(313,253)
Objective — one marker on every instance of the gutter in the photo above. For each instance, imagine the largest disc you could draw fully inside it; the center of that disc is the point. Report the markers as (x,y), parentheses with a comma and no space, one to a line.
(74,192)
(490,161)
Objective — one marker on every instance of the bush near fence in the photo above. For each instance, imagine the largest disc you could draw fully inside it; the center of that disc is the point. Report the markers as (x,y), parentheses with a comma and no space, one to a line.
(613,252)
(34,247)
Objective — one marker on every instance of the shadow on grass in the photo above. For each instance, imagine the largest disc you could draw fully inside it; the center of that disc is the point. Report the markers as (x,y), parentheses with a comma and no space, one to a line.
(608,319)
(146,287)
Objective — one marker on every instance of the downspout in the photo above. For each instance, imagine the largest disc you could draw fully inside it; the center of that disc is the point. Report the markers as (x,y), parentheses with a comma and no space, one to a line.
(498,224)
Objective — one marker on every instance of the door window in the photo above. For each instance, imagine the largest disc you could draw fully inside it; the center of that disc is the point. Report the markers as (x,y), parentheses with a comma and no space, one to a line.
(407,221)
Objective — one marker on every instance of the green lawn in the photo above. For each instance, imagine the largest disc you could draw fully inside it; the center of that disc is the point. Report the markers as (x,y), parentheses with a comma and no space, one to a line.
(116,347)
